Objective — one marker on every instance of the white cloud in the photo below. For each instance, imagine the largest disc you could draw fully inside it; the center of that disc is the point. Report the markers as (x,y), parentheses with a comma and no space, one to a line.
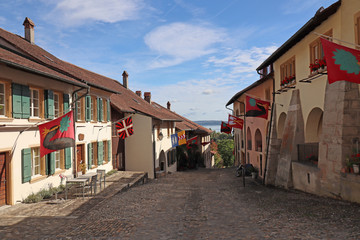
(208,91)
(179,42)
(241,61)
(76,12)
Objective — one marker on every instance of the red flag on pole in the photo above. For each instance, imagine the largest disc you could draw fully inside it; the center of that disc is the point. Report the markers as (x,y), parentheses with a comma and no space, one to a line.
(125,128)
(57,134)
(235,122)
(256,107)
(225,128)
(343,63)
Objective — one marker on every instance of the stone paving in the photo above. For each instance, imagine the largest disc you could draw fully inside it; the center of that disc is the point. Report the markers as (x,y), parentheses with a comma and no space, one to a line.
(199,204)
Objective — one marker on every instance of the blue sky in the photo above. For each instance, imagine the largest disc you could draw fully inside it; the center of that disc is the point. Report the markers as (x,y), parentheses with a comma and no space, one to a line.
(194,53)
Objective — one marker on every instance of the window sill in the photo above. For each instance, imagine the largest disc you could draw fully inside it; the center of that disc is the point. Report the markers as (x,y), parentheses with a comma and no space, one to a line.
(6,119)
(318,71)
(37,179)
(34,119)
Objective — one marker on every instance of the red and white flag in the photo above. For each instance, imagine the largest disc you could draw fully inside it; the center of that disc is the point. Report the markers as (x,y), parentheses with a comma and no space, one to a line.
(125,128)
(235,122)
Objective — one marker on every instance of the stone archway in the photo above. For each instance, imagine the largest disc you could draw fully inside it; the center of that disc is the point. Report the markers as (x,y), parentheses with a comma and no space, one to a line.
(313,128)
(162,161)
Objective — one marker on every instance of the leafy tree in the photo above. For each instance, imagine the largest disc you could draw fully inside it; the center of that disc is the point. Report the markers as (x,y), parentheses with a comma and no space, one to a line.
(225,149)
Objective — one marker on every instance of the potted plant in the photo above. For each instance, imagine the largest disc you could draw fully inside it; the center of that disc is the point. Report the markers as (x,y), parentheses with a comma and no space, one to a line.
(82,167)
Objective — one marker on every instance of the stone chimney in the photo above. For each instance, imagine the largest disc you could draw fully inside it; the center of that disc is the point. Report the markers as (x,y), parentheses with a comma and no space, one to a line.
(138,93)
(29,30)
(168,105)
(125,79)
(147,96)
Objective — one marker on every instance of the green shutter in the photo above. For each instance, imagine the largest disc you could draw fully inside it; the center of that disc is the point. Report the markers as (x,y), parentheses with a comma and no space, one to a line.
(100,153)
(25,101)
(75,107)
(16,100)
(109,150)
(49,104)
(50,158)
(108,110)
(90,155)
(26,164)
(67,153)
(88,108)
(66,102)
(99,109)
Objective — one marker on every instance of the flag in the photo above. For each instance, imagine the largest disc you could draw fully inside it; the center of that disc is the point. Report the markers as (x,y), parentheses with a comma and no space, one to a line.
(57,134)
(174,140)
(256,107)
(342,62)
(225,128)
(125,128)
(181,137)
(193,140)
(235,122)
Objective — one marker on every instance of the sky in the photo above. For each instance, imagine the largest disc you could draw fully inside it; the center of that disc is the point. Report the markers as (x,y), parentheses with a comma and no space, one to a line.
(197,54)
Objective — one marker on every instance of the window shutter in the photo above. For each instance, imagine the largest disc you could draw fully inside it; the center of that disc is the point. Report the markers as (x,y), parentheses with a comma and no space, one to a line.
(67,158)
(75,107)
(109,150)
(66,102)
(90,155)
(100,153)
(25,101)
(108,110)
(88,108)
(26,164)
(99,109)
(49,104)
(16,100)
(50,158)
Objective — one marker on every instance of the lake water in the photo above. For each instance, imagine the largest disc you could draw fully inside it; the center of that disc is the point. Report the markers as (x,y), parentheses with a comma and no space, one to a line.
(213,127)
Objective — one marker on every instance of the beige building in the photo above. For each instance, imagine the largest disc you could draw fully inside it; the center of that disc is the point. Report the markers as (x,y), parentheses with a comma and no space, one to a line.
(36,87)
(316,125)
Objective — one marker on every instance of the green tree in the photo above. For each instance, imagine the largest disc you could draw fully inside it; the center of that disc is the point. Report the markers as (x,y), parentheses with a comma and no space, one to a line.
(225,149)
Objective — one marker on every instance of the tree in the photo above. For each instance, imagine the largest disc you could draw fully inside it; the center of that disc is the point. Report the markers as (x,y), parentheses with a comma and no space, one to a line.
(226,148)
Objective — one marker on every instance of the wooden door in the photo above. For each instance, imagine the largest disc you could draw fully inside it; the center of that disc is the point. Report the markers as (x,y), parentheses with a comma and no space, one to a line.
(79,157)
(2,179)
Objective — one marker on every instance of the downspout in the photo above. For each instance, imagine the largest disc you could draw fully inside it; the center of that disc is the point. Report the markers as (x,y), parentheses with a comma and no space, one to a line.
(270,124)
(154,146)
(72,106)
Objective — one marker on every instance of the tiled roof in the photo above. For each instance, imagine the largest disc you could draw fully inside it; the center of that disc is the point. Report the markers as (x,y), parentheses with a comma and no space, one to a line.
(165,113)
(16,61)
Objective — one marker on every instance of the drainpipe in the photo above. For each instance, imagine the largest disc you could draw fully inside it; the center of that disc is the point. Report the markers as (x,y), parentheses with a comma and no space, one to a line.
(154,146)
(72,106)
(270,124)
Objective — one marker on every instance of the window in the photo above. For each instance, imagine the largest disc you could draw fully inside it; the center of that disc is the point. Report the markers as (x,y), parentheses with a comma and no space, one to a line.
(104,108)
(35,103)
(57,158)
(287,73)
(2,100)
(357,29)
(92,154)
(35,161)
(80,109)
(316,51)
(57,110)
(93,109)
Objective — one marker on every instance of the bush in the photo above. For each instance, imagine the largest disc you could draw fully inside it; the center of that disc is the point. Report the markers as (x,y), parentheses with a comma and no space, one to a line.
(111,172)
(33,198)
(43,194)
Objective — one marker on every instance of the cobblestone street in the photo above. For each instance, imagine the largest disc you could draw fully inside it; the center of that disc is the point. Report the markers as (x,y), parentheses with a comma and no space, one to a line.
(201,204)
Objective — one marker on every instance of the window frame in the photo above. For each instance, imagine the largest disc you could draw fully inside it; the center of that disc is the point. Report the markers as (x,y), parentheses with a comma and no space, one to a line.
(32,107)
(7,98)
(316,50)
(287,70)
(33,166)
(60,103)
(80,110)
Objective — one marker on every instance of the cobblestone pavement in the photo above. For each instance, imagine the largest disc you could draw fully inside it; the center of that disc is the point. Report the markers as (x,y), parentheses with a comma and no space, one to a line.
(201,204)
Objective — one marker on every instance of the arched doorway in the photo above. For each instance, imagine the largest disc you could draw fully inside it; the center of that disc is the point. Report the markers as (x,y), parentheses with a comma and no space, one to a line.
(281,125)
(162,161)
(258,141)
(314,126)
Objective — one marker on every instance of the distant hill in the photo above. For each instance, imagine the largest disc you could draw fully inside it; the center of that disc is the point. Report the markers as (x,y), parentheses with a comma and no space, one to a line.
(208,122)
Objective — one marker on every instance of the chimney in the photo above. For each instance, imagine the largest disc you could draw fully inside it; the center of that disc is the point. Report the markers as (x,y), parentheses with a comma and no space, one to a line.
(138,93)
(147,96)
(125,79)
(29,30)
(168,105)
